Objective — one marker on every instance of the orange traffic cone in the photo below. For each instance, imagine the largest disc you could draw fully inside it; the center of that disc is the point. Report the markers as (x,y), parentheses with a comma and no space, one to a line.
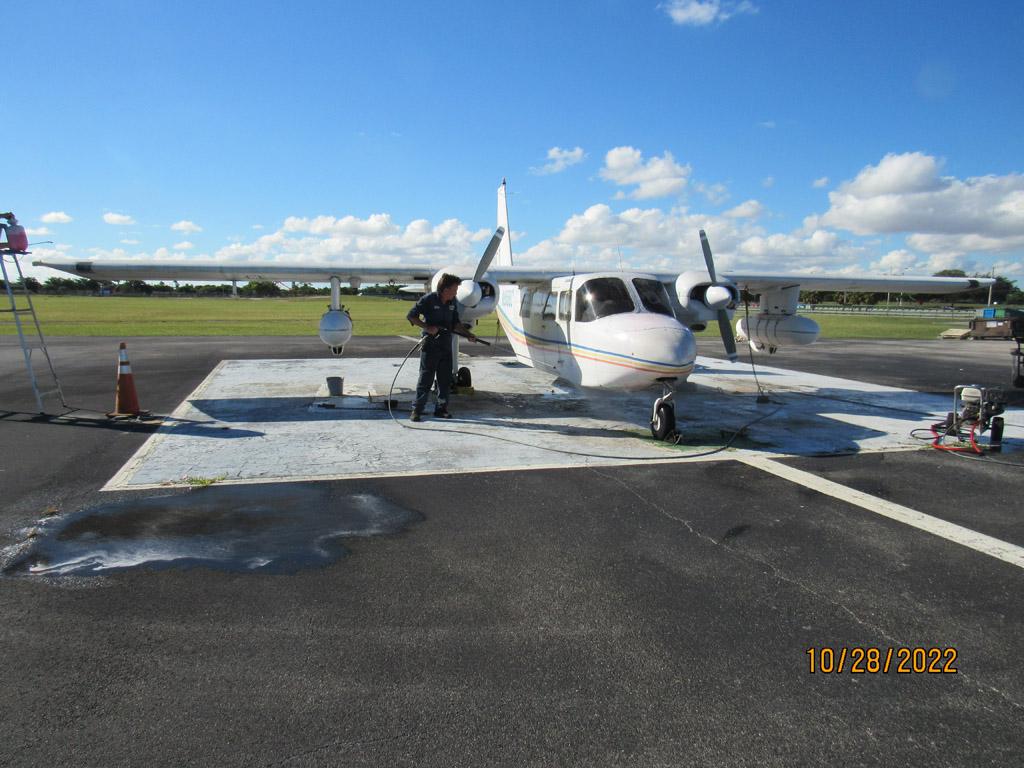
(126,402)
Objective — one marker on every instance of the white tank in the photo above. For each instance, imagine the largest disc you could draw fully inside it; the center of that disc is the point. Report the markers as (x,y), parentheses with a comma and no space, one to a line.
(335,329)
(777,330)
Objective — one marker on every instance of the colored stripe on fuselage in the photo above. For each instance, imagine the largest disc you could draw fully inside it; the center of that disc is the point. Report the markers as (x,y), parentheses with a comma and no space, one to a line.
(590,353)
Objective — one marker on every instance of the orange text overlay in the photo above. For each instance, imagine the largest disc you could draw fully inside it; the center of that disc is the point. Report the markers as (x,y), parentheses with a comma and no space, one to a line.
(860,661)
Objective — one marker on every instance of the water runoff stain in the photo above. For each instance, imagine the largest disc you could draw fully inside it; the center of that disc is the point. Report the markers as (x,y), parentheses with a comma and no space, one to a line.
(256,528)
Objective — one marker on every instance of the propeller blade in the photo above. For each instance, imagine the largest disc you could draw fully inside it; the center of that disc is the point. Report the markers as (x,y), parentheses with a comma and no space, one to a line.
(706,247)
(488,257)
(728,339)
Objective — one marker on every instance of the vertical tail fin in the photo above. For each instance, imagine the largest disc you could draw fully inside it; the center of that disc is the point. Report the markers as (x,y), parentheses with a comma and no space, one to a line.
(504,255)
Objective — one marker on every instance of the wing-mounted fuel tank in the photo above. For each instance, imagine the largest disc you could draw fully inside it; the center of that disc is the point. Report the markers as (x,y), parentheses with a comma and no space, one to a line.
(777,324)
(336,323)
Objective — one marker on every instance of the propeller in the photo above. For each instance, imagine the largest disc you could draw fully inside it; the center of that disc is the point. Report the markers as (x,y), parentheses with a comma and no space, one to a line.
(717,297)
(488,257)
(470,293)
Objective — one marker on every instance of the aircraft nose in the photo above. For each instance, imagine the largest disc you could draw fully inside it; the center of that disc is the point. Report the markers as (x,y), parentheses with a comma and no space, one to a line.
(671,346)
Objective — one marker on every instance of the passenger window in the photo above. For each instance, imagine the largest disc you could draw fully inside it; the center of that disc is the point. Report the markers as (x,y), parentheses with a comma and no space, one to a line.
(549,307)
(564,302)
(524,309)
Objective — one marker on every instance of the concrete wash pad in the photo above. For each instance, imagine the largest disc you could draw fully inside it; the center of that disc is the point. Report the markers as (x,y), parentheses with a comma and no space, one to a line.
(272,420)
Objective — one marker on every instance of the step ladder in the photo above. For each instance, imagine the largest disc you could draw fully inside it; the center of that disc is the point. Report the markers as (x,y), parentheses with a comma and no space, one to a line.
(30,335)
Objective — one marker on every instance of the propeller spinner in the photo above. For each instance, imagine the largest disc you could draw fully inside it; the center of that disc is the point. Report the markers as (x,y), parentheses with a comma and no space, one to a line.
(717,298)
(470,293)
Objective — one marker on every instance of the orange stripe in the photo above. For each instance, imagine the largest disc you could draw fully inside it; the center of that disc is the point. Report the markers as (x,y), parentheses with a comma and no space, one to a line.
(585,356)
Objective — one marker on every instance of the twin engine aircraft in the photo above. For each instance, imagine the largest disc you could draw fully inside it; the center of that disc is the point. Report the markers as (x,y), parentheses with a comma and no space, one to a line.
(619,330)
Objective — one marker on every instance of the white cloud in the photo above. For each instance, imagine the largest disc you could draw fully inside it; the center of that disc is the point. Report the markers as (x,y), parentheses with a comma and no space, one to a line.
(905,193)
(130,242)
(768,182)
(820,183)
(897,262)
(36,231)
(257,226)
(186,226)
(184,245)
(658,177)
(56,217)
(766,124)
(716,193)
(699,13)
(376,239)
(751,209)
(118,218)
(559,159)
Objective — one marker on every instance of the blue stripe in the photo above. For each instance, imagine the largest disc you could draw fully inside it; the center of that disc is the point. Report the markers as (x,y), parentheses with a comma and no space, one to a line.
(580,346)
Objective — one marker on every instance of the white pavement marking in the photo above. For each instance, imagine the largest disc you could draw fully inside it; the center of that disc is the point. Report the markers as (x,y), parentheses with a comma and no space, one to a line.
(1009,553)
(413,339)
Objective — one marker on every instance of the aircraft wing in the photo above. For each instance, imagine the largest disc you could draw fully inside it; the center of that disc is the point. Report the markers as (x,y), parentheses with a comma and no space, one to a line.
(864,283)
(303,273)
(241,271)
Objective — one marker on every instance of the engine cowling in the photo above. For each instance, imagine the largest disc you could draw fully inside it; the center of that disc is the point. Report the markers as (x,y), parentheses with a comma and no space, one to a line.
(701,299)
(475,299)
(336,329)
(768,332)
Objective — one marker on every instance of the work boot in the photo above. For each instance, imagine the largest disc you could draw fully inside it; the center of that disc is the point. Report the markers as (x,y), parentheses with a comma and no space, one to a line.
(442,413)
(414,416)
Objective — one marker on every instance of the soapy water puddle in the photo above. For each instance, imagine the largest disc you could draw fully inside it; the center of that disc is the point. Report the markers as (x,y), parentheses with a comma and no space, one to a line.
(256,528)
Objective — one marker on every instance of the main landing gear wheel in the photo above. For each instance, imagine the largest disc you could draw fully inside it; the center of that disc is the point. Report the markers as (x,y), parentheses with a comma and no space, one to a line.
(463,378)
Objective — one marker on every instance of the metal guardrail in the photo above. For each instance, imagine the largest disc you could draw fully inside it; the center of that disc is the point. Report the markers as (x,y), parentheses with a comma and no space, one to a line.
(922,312)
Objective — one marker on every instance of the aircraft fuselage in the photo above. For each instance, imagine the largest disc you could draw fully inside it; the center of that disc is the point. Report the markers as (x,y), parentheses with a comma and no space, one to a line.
(613,330)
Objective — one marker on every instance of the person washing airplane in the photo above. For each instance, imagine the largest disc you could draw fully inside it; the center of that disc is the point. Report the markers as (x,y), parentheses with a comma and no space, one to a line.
(438,316)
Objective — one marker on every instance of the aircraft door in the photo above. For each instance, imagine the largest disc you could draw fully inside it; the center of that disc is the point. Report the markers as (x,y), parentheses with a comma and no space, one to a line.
(561,290)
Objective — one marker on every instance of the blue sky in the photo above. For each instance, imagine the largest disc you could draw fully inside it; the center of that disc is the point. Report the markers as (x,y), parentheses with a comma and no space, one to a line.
(804,136)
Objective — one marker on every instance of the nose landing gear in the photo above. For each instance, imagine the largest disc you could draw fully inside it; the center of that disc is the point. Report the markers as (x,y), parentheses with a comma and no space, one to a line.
(663,416)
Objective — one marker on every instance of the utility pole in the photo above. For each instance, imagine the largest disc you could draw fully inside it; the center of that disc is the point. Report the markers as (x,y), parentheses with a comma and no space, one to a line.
(991,273)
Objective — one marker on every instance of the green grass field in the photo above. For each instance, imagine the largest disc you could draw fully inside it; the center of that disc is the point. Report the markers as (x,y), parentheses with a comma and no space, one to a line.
(373,316)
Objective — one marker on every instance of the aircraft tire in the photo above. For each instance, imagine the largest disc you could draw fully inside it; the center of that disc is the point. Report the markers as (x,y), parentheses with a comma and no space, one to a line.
(464,378)
(664,423)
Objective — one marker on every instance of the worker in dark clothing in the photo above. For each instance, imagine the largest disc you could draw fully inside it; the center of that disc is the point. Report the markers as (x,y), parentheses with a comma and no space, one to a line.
(438,316)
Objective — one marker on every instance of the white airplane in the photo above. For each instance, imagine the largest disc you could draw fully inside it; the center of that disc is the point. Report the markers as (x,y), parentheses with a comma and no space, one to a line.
(622,330)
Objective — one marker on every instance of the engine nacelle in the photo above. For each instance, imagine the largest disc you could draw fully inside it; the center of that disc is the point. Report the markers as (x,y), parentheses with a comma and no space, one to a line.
(335,329)
(475,299)
(773,331)
(488,292)
(700,299)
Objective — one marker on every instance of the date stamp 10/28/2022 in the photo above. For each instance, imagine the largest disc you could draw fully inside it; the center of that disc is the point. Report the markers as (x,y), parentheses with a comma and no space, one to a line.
(869,660)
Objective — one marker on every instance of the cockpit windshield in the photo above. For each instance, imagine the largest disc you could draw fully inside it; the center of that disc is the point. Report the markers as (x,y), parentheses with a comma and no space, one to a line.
(653,295)
(601,297)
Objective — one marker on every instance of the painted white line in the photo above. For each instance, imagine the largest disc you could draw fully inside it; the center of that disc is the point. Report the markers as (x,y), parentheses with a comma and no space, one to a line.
(413,339)
(988,545)
(119,481)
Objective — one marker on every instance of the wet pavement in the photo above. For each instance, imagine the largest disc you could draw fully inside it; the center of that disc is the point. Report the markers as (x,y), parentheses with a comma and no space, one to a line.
(652,615)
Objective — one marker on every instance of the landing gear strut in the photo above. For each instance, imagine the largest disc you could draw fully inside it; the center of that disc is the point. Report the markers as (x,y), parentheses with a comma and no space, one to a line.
(663,416)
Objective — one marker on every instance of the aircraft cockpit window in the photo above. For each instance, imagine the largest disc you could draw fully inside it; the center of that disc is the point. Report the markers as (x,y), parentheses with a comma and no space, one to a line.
(602,297)
(653,295)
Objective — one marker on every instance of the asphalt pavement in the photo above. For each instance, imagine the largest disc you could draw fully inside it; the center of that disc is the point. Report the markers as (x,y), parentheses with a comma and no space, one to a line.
(641,615)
